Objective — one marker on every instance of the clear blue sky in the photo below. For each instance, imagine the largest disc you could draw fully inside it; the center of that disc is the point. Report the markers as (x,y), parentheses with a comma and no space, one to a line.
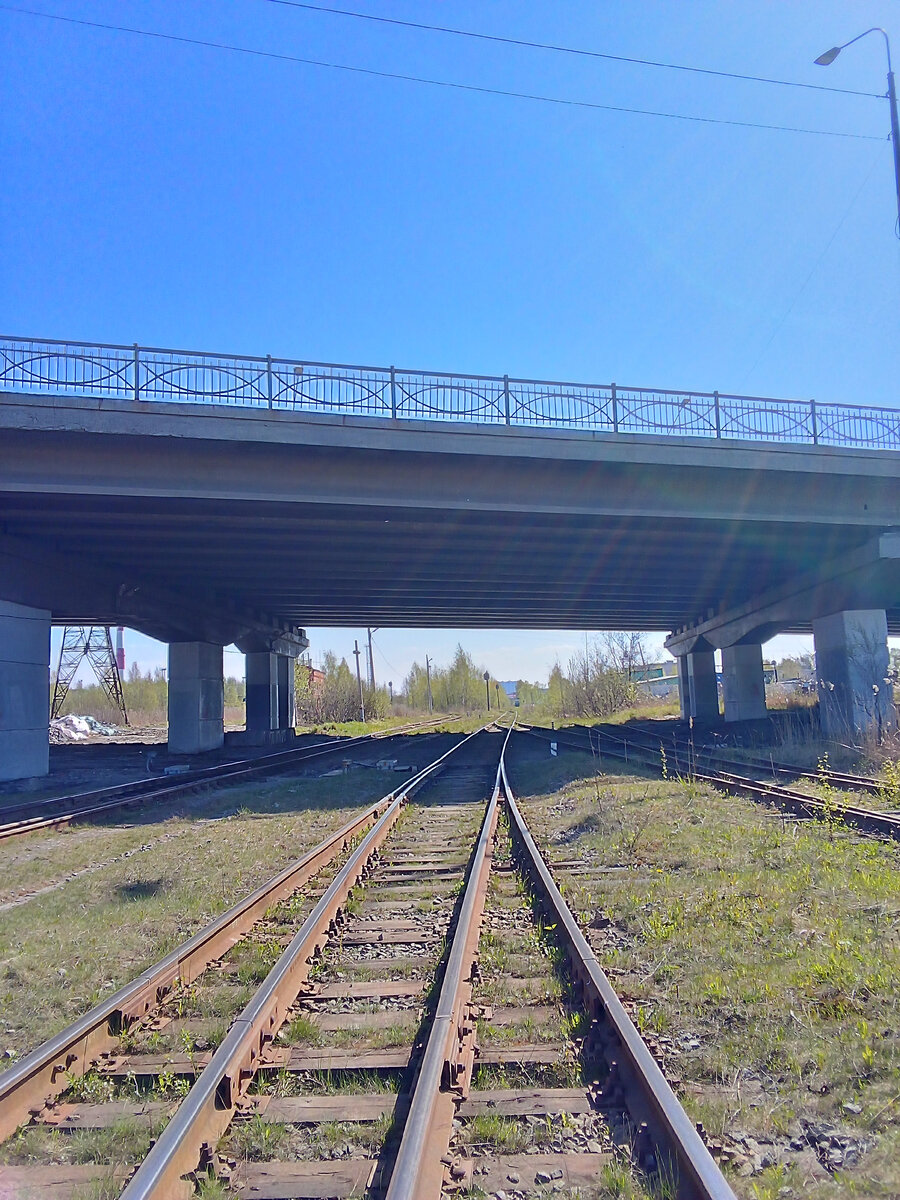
(184,196)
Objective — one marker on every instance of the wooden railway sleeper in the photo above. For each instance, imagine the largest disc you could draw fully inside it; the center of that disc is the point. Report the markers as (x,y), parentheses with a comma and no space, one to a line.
(217,1092)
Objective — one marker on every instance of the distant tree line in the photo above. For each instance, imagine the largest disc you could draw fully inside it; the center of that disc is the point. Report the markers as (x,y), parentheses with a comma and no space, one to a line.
(457,688)
(599,680)
(596,682)
(146,698)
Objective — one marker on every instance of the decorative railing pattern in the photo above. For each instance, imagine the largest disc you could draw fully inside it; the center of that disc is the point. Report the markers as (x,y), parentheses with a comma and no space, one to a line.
(139,373)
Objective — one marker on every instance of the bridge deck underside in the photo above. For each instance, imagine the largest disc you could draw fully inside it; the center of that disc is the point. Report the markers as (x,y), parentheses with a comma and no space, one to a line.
(314,564)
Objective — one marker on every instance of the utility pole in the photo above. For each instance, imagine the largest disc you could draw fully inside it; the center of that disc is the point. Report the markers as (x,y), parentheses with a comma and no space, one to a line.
(428,678)
(369,633)
(391,689)
(362,705)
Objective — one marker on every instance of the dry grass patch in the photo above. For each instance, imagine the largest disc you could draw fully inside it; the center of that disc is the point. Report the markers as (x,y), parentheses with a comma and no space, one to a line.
(65,949)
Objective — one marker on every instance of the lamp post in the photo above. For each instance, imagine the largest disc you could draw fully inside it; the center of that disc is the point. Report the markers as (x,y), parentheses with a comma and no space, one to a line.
(826,59)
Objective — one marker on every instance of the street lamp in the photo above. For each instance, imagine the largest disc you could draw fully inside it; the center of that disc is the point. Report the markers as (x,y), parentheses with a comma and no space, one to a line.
(826,59)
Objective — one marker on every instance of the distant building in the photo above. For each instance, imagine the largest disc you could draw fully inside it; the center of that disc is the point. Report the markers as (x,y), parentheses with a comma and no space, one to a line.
(315,679)
(656,679)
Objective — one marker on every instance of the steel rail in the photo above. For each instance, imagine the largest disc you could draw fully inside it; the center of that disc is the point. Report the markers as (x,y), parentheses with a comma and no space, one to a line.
(445,1071)
(716,756)
(446,1067)
(207,1110)
(668,1125)
(48,1070)
(867,820)
(85,804)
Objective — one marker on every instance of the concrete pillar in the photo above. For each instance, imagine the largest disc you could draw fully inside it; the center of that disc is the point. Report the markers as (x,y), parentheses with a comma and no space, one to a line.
(196,697)
(851,672)
(743,683)
(262,691)
(270,691)
(24,691)
(285,692)
(684,687)
(698,688)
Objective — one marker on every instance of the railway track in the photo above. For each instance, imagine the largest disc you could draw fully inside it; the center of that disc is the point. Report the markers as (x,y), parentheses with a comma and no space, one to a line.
(430,1020)
(689,753)
(19,819)
(657,757)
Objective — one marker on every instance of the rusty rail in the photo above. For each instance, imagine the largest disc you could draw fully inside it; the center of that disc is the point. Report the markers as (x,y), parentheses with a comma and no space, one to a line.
(670,1143)
(48,1070)
(688,753)
(86,804)
(211,1103)
(446,1069)
(868,820)
(675,1143)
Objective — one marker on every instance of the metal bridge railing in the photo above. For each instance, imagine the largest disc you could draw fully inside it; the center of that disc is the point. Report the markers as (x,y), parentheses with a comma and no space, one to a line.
(140,373)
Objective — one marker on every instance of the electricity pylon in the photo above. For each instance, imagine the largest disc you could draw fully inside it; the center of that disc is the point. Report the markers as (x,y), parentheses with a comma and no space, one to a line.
(94,643)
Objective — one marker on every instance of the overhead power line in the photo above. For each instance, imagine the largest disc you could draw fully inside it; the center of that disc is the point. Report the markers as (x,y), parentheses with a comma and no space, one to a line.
(563,101)
(557,49)
(840,225)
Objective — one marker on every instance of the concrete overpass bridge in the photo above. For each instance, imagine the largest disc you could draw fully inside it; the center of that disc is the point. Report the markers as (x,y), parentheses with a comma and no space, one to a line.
(205,499)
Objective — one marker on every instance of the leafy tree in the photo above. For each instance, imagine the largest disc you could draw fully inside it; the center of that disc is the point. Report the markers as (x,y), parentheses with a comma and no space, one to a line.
(336,696)
(601,677)
(558,692)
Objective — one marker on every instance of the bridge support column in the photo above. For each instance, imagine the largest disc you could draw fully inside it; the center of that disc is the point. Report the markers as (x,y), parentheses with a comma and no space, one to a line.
(262,691)
(24,691)
(270,696)
(743,683)
(697,686)
(852,664)
(196,697)
(286,715)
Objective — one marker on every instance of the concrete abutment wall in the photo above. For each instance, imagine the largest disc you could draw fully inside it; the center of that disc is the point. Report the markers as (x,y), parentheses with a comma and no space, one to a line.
(24,691)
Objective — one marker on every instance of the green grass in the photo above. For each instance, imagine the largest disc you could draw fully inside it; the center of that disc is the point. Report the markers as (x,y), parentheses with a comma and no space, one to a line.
(124,1142)
(254,960)
(258,1140)
(328,1083)
(301,1031)
(502,1134)
(104,1187)
(773,944)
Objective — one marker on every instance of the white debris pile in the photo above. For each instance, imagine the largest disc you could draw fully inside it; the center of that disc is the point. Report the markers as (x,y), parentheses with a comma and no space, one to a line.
(76,729)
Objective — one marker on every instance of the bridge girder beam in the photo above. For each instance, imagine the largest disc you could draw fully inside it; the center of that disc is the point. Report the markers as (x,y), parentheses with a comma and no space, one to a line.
(866,578)
(45,577)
